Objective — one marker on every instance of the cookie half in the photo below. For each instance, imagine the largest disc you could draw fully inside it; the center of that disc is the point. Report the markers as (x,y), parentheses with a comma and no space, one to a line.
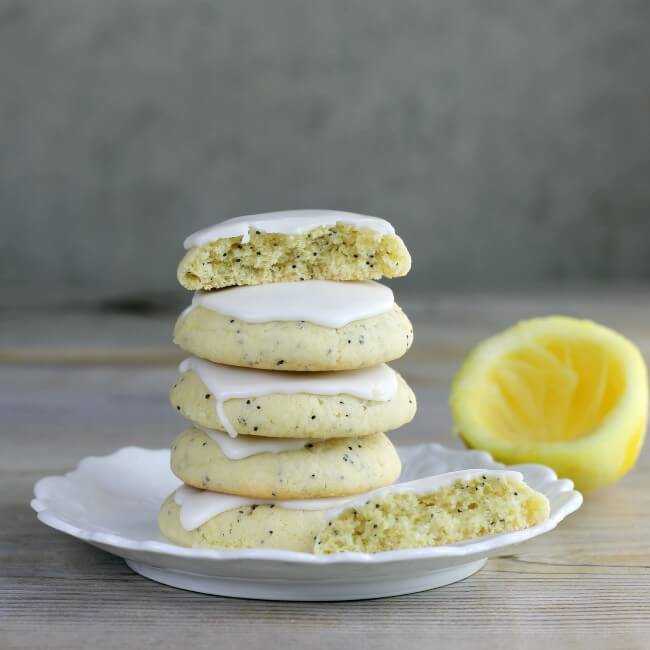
(443,509)
(306,470)
(291,415)
(292,246)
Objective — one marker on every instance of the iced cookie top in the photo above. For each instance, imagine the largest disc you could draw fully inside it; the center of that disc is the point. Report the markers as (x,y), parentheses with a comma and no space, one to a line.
(199,506)
(286,222)
(247,446)
(323,302)
(377,383)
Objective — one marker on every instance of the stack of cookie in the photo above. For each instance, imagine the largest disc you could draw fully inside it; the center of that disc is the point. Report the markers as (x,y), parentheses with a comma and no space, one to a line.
(288,391)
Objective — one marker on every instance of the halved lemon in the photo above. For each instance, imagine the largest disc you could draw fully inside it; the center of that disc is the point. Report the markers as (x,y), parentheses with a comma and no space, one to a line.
(567,393)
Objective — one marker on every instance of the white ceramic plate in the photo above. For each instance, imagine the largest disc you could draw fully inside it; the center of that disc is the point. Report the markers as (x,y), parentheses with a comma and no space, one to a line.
(112,502)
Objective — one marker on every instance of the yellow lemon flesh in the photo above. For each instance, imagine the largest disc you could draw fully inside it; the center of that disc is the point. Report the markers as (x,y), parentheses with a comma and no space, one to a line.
(567,393)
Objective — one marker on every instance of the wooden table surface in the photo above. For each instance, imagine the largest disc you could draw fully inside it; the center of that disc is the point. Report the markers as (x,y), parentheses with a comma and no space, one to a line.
(81,377)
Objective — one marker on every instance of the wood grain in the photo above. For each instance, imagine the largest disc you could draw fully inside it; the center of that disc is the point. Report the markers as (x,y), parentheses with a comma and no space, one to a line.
(70,387)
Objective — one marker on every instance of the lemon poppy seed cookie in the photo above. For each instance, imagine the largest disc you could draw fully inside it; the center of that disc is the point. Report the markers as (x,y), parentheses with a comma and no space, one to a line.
(293,405)
(244,525)
(443,509)
(303,326)
(300,346)
(284,468)
(290,246)
(289,393)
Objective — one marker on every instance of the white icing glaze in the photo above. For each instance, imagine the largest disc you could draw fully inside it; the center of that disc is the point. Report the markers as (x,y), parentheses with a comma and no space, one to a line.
(377,383)
(323,302)
(245,446)
(199,506)
(425,485)
(286,222)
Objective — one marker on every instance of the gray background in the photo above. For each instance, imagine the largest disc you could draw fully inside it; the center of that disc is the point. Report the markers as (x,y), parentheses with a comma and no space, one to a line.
(508,141)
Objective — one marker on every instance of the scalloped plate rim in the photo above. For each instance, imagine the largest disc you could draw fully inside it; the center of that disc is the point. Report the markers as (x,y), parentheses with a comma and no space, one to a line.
(484,545)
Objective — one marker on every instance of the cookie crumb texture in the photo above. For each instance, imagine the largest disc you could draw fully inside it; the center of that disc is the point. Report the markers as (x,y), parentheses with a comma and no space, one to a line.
(463,511)
(299,345)
(340,252)
(298,415)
